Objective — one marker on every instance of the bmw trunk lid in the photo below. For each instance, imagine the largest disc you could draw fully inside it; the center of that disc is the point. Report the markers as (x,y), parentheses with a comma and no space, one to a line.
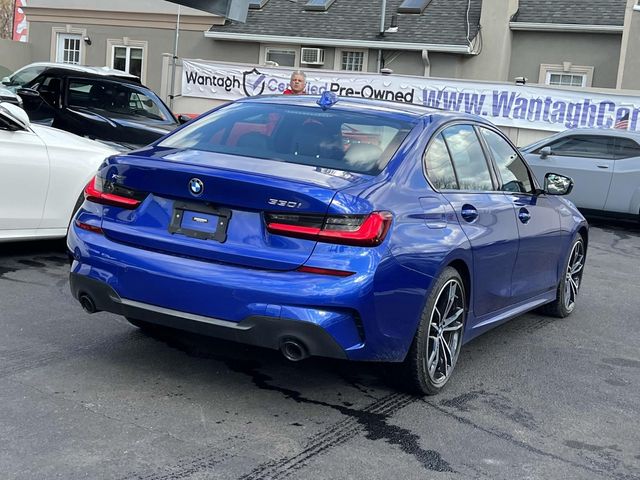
(211,206)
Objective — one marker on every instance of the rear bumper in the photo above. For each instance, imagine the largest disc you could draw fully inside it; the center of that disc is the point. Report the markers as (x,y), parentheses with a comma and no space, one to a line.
(259,330)
(370,315)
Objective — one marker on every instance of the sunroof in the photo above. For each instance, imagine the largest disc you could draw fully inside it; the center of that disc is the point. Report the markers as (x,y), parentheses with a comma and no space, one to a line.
(413,6)
(321,5)
(256,4)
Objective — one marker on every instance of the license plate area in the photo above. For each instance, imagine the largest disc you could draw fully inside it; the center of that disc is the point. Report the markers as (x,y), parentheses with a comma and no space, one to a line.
(200,221)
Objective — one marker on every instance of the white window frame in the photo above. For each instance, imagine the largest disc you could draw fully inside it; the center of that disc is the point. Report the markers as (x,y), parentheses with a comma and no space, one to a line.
(337,61)
(58,33)
(582,76)
(126,42)
(264,49)
(566,68)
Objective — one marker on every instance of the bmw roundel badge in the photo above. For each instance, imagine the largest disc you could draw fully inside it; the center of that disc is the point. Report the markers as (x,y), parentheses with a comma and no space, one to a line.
(196,187)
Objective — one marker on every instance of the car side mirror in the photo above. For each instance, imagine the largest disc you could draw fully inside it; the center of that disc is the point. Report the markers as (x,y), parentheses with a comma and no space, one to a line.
(182,119)
(6,81)
(545,152)
(28,92)
(556,184)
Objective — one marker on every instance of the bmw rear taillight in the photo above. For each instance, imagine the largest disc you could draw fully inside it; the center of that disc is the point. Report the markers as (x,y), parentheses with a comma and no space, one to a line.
(107,193)
(88,227)
(358,230)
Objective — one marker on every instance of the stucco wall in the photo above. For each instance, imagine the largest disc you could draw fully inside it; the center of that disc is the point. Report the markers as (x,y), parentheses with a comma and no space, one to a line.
(153,6)
(227,51)
(601,51)
(13,55)
(191,45)
(493,43)
(631,70)
(445,65)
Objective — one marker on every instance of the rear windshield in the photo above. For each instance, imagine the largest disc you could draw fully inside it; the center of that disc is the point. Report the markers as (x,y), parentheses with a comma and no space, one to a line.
(333,139)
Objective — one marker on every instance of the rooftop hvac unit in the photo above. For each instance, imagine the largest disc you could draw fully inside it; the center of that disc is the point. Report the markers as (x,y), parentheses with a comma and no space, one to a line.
(312,56)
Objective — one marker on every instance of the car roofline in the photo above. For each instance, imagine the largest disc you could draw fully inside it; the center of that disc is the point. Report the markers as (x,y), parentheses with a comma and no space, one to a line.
(412,110)
(617,132)
(63,72)
(614,132)
(99,71)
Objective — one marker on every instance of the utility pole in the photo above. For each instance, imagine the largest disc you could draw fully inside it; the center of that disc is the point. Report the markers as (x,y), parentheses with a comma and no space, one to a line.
(175,60)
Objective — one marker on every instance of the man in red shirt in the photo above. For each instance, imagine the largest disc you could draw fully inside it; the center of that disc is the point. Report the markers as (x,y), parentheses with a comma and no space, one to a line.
(297,83)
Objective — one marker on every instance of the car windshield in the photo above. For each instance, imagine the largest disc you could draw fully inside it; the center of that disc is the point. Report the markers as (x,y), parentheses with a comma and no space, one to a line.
(114,98)
(25,76)
(333,139)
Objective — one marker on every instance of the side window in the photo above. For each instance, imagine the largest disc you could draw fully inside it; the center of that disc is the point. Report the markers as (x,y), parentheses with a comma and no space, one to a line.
(84,93)
(589,146)
(137,103)
(50,90)
(112,97)
(439,167)
(513,172)
(468,158)
(625,148)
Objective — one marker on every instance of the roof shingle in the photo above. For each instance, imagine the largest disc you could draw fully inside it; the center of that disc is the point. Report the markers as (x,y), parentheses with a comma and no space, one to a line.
(443,22)
(574,12)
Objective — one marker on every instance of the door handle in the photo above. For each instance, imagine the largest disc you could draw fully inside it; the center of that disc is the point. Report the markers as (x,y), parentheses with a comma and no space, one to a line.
(603,166)
(524,215)
(469,213)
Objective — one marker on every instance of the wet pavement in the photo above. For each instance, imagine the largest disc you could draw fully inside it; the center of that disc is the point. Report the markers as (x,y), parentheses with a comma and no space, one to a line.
(90,396)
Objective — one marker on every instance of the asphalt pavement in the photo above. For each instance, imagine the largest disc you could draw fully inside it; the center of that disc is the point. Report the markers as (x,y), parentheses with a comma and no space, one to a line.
(92,397)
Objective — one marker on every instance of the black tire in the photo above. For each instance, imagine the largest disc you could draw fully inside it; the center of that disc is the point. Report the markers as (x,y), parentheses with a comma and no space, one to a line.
(426,370)
(570,281)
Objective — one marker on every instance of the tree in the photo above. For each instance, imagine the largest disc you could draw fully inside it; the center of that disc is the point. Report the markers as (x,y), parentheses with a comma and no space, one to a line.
(6,18)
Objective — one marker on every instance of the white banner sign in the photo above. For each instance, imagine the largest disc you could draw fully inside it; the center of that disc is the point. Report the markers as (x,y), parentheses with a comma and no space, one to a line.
(506,105)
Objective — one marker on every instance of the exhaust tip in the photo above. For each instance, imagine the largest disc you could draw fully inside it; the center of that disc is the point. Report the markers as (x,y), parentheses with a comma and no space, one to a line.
(87,303)
(293,350)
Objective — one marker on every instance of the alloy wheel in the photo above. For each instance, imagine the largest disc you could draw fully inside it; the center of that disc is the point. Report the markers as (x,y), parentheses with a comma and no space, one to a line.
(573,276)
(445,332)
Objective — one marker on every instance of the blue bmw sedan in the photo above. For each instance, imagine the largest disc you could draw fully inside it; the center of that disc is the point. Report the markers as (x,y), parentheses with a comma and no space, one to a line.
(328,226)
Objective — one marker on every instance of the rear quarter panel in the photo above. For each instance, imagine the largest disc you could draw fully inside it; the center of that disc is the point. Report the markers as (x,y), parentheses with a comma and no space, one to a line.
(424,238)
(624,194)
(74,161)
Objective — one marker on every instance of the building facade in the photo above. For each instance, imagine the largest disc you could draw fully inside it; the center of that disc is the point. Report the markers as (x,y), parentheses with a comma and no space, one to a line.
(556,42)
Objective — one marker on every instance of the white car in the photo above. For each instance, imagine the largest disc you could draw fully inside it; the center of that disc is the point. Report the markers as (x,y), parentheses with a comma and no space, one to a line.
(604,166)
(43,172)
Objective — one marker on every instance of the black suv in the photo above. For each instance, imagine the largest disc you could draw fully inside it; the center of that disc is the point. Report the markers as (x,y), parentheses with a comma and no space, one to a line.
(113,109)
